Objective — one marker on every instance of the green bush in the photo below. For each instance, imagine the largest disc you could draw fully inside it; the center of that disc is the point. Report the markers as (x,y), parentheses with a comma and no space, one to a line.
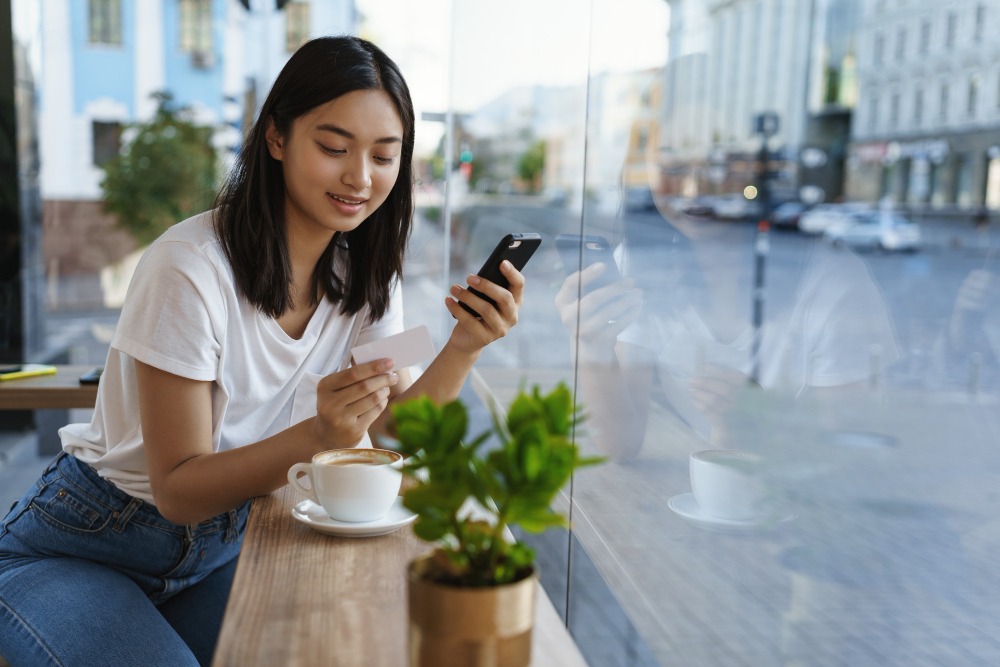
(165,174)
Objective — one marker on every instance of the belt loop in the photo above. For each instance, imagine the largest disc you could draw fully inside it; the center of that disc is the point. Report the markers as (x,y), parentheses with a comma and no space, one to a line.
(231,529)
(123,517)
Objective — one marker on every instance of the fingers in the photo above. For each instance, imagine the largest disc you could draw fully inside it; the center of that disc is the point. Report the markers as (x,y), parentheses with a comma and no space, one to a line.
(345,378)
(489,314)
(613,308)
(472,323)
(570,289)
(376,399)
(516,280)
(504,297)
(368,387)
(599,297)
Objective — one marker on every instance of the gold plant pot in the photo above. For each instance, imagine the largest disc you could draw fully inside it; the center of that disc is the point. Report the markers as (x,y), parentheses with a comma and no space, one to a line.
(451,626)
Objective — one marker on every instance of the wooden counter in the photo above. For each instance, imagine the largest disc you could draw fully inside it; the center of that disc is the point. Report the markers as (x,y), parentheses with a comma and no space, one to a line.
(304,598)
(61,391)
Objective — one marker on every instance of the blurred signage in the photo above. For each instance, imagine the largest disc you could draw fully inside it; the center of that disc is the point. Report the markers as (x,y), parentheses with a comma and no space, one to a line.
(925,149)
(766,123)
(870,152)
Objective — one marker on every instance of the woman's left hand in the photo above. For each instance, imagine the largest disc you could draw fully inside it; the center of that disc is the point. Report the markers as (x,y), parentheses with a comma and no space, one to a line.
(471,334)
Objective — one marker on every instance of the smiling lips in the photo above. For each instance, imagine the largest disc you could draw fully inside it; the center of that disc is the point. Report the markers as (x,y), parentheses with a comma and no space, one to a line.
(346,205)
(348,201)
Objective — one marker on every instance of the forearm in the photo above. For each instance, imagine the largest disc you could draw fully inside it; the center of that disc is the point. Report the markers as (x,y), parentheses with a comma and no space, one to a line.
(616,403)
(441,382)
(204,486)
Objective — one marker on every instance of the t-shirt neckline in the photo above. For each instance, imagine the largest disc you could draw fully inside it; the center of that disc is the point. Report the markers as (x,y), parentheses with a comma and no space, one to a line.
(311,327)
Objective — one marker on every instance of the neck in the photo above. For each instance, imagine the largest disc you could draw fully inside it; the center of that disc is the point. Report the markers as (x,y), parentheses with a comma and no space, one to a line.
(307,241)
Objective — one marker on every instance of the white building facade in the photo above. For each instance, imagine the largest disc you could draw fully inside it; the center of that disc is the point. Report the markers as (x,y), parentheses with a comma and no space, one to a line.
(927,129)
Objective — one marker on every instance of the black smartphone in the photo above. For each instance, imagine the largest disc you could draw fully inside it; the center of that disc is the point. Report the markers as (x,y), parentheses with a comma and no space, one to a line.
(595,249)
(91,377)
(517,249)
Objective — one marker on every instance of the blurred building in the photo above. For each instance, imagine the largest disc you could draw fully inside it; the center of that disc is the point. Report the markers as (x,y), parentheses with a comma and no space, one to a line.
(928,126)
(102,60)
(732,60)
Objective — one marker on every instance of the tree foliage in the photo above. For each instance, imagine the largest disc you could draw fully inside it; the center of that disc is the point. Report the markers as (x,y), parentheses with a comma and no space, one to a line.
(515,482)
(166,173)
(532,163)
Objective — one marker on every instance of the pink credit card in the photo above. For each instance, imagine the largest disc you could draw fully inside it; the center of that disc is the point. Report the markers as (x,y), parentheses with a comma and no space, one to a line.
(405,349)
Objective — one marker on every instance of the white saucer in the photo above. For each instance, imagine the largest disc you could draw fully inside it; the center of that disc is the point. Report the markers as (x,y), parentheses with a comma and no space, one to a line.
(315,517)
(686,507)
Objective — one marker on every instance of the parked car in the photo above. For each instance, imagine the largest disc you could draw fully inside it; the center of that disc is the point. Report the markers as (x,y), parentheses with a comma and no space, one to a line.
(702,207)
(818,218)
(876,230)
(787,215)
(735,207)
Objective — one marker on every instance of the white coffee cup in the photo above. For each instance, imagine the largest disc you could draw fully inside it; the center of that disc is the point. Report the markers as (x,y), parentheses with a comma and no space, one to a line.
(354,485)
(727,483)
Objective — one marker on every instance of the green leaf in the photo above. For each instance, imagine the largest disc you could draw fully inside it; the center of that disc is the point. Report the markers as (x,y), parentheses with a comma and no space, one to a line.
(454,421)
(428,529)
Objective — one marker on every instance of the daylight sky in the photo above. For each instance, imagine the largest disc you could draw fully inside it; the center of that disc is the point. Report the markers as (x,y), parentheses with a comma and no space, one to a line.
(501,46)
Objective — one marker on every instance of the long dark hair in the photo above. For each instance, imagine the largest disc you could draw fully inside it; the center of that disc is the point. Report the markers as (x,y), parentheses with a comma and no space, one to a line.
(250,215)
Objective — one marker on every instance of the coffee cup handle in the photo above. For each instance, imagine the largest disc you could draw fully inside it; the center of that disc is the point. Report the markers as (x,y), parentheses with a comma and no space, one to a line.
(293,474)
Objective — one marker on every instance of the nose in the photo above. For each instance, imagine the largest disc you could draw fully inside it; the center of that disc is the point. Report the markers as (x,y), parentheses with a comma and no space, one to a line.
(357,174)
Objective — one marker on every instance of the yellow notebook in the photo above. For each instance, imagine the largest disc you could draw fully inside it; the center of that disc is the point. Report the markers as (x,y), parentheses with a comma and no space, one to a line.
(27,371)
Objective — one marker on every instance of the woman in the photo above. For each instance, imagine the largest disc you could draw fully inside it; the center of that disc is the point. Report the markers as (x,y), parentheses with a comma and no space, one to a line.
(228,366)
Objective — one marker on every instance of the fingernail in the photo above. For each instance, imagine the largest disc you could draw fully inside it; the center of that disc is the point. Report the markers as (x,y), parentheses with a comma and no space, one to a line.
(449,300)
(393,378)
(474,280)
(507,265)
(387,364)
(456,290)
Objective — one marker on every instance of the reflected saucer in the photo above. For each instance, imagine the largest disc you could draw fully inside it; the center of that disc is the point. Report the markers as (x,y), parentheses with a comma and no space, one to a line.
(686,507)
(315,517)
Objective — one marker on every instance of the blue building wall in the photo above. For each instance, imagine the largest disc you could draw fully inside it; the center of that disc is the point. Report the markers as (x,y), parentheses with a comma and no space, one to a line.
(100,70)
(187,83)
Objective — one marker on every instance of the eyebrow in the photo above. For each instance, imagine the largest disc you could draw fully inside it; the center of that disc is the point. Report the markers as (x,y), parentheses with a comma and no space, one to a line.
(347,135)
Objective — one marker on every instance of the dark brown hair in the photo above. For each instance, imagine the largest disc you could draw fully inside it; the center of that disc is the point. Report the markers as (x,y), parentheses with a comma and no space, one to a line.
(250,215)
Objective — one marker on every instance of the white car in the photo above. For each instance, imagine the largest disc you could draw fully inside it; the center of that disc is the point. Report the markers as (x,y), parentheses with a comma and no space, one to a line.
(875,230)
(817,219)
(735,207)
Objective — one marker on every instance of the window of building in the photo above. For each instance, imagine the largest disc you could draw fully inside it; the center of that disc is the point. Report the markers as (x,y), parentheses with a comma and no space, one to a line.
(296,25)
(900,44)
(873,113)
(105,21)
(925,36)
(918,107)
(980,21)
(944,102)
(196,26)
(894,111)
(107,141)
(973,100)
(879,46)
(949,37)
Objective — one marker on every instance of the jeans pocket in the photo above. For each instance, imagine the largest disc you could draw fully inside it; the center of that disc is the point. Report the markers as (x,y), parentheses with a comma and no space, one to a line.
(62,506)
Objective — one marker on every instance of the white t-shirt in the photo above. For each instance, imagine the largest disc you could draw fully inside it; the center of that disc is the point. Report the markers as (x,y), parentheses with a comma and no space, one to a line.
(183,315)
(822,324)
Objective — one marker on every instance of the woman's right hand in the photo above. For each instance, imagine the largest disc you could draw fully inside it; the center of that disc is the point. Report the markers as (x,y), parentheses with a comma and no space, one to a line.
(349,401)
(603,313)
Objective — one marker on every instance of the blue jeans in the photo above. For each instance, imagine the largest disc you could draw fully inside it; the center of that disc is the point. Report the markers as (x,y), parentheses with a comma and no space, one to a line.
(90,575)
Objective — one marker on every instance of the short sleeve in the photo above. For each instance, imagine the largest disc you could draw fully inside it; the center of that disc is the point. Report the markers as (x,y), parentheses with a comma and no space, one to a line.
(174,315)
(390,324)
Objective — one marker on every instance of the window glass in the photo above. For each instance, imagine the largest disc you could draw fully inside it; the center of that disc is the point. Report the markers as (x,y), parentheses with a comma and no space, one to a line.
(296,25)
(107,141)
(196,26)
(105,21)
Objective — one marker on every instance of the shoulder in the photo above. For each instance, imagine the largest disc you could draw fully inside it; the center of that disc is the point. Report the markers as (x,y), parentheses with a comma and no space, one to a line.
(189,247)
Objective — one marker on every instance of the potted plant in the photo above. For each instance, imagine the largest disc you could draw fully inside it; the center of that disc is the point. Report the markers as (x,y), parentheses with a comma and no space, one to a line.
(471,600)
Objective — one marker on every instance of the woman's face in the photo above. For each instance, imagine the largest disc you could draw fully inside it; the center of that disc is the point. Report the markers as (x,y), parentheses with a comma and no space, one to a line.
(340,160)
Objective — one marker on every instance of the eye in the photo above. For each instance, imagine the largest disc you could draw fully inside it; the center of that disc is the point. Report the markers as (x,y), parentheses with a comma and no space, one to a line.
(384,160)
(330,151)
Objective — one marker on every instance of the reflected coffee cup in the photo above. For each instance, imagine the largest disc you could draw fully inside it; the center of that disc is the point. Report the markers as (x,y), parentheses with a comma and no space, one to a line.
(727,483)
(353,485)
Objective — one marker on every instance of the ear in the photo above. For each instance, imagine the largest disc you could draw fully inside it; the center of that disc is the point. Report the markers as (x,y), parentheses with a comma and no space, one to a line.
(274,140)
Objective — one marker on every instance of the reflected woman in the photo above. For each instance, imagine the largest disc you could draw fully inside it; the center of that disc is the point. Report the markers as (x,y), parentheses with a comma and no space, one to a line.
(228,366)
(678,327)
